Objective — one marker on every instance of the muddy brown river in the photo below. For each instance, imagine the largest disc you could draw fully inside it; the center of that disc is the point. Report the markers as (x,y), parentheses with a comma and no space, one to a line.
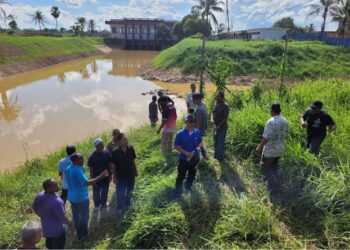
(43,110)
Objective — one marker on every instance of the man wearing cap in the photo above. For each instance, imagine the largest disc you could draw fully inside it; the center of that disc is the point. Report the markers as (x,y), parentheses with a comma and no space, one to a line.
(188,143)
(272,146)
(200,113)
(78,193)
(316,121)
(98,162)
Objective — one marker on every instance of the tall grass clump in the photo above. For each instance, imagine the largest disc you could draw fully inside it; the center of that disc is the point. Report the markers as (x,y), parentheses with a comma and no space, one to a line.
(318,186)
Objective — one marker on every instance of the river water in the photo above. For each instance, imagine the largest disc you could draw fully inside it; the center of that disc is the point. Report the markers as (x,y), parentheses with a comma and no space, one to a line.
(43,110)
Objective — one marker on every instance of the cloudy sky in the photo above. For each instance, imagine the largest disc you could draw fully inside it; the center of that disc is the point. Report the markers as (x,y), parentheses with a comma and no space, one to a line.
(244,13)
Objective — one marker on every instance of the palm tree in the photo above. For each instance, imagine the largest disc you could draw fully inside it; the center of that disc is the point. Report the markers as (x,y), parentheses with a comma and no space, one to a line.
(9,110)
(2,11)
(82,22)
(39,18)
(310,28)
(208,8)
(55,12)
(76,29)
(12,24)
(92,26)
(324,7)
(341,14)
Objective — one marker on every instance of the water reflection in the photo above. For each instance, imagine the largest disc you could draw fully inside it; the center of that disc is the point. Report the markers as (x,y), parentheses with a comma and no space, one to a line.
(46,109)
(9,110)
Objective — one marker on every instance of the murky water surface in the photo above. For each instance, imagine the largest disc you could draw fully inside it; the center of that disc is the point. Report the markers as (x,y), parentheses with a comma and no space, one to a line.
(43,110)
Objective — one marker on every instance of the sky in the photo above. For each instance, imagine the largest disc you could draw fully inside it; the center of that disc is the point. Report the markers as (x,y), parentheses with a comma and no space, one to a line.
(244,14)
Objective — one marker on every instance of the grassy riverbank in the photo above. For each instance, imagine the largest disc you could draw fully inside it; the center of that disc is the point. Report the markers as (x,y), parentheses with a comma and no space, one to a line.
(305,59)
(15,49)
(229,207)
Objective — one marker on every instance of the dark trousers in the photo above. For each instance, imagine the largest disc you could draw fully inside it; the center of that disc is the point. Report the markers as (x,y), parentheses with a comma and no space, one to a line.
(186,168)
(81,216)
(64,195)
(125,187)
(56,242)
(314,144)
(269,169)
(219,144)
(100,193)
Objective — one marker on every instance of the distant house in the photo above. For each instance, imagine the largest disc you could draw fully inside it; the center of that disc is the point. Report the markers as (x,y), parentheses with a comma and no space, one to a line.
(273,33)
(138,32)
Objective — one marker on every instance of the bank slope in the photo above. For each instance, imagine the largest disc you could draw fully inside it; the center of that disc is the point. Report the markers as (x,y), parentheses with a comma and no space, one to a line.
(305,59)
(229,206)
(20,54)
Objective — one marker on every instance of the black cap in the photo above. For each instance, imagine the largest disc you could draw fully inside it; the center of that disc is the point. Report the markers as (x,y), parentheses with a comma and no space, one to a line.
(317,105)
(276,107)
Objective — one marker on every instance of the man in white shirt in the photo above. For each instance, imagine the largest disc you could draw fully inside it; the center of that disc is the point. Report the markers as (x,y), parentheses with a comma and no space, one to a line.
(189,101)
(272,146)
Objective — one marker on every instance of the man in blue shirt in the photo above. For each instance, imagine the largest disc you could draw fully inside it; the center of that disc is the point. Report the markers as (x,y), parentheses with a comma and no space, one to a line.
(188,142)
(62,165)
(78,193)
(98,162)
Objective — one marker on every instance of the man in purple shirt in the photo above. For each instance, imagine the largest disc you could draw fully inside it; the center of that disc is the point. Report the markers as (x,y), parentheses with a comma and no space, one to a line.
(51,210)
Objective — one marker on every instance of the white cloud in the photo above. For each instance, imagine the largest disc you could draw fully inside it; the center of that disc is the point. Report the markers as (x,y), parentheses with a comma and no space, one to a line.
(76,3)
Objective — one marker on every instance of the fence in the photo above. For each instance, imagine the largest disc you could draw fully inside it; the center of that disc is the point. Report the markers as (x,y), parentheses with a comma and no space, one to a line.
(345,42)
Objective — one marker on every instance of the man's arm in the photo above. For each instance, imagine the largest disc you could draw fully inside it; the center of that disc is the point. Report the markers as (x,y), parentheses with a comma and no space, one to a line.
(103,175)
(303,119)
(114,173)
(161,126)
(181,150)
(261,146)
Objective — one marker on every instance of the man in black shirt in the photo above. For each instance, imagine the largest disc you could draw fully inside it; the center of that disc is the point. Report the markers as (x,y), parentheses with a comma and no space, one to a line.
(163,99)
(316,121)
(124,172)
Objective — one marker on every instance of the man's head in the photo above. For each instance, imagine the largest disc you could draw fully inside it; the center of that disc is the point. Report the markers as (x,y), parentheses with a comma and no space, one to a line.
(160,93)
(50,186)
(197,98)
(220,97)
(275,109)
(123,140)
(154,98)
(189,121)
(77,159)
(115,133)
(31,233)
(70,149)
(193,87)
(98,143)
(316,107)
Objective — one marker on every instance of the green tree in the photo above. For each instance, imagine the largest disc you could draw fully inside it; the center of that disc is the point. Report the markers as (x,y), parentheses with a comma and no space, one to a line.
(76,29)
(193,26)
(208,9)
(12,24)
(221,28)
(341,14)
(92,26)
(178,30)
(39,18)
(310,28)
(163,33)
(324,7)
(285,22)
(220,72)
(82,23)
(55,12)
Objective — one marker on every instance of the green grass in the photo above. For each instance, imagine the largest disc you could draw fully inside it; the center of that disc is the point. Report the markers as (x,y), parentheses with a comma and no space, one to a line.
(305,59)
(229,206)
(20,49)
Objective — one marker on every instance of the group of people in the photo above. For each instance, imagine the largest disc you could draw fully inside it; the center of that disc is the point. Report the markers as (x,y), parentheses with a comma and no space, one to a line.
(116,163)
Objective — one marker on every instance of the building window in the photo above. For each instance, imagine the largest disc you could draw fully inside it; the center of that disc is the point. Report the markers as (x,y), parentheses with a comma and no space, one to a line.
(114,30)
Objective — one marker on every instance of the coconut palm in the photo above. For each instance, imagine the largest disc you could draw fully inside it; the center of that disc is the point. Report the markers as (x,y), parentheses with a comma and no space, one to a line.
(341,14)
(324,7)
(208,8)
(82,23)
(91,26)
(310,28)
(39,18)
(55,12)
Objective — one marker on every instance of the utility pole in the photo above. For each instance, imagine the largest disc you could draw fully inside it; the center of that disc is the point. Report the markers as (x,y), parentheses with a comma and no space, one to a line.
(201,81)
(284,63)
(228,16)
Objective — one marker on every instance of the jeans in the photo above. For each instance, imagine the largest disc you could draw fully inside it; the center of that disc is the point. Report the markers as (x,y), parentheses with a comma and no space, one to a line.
(183,168)
(81,215)
(125,187)
(269,169)
(314,144)
(57,242)
(100,193)
(64,195)
(219,144)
